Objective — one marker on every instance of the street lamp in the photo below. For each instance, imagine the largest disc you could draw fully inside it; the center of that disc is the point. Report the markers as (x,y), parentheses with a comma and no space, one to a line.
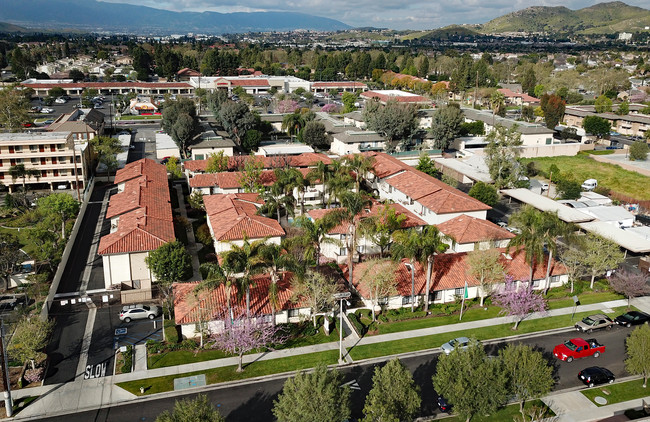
(412,268)
(341,297)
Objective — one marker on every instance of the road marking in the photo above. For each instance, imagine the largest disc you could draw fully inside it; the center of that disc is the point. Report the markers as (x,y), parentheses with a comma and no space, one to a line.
(354,385)
(96,371)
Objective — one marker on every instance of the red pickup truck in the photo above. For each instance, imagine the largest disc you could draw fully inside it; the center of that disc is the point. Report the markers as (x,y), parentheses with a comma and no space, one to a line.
(578,348)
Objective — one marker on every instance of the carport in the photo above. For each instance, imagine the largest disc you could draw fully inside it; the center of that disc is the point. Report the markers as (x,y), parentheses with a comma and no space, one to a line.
(542,203)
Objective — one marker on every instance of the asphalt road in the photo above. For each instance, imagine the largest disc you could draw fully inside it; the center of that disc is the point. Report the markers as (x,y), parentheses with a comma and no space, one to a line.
(253,402)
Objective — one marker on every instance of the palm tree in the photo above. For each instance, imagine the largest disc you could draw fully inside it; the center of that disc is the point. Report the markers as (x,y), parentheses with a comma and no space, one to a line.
(530,223)
(314,234)
(293,123)
(275,200)
(553,229)
(339,182)
(421,247)
(20,171)
(214,276)
(432,242)
(246,260)
(360,165)
(498,103)
(353,204)
(320,172)
(407,245)
(276,260)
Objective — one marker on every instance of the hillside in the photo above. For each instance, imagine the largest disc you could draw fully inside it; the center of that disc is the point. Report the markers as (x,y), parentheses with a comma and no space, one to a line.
(7,27)
(602,18)
(98,16)
(445,33)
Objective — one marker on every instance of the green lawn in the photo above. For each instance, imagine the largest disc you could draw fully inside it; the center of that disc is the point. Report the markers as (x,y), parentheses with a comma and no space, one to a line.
(613,177)
(557,299)
(180,357)
(486,333)
(623,391)
(507,413)
(228,373)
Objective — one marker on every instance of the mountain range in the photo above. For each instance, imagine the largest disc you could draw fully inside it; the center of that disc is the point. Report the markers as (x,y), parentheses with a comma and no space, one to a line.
(97,16)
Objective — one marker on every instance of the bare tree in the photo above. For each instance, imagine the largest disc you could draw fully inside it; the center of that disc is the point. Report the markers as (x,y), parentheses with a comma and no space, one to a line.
(379,279)
(486,268)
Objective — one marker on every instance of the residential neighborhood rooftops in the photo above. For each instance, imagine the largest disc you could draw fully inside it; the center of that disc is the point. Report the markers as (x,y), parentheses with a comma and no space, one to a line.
(450,271)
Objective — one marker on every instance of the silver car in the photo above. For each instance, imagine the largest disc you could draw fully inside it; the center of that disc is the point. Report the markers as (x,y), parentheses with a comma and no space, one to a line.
(131,312)
(457,343)
(594,322)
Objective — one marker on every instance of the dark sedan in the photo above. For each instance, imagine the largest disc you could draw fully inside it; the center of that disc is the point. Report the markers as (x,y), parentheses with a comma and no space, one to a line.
(595,375)
(632,318)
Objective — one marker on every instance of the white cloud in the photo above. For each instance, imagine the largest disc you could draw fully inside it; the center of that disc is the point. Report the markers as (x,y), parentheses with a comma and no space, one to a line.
(414,14)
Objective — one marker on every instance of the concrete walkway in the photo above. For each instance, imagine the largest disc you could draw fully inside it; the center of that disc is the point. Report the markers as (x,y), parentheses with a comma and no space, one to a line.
(93,393)
(140,358)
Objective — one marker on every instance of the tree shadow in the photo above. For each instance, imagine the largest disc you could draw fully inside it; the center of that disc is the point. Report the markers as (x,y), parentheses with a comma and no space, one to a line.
(363,376)
(257,408)
(423,377)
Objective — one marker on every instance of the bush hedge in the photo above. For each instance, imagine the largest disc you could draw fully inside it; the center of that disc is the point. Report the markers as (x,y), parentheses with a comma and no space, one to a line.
(356,323)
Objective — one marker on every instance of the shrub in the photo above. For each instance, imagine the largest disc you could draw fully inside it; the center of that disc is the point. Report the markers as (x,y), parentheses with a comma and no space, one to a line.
(128,360)
(639,151)
(356,323)
(34,375)
(203,235)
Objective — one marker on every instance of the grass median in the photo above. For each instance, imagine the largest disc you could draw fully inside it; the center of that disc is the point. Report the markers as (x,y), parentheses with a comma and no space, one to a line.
(228,373)
(486,333)
(617,393)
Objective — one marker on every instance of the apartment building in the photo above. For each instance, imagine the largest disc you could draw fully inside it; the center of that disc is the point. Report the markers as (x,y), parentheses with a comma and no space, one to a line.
(61,163)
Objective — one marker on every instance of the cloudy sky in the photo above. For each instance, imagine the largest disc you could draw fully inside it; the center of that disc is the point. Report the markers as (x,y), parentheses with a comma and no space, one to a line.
(394,14)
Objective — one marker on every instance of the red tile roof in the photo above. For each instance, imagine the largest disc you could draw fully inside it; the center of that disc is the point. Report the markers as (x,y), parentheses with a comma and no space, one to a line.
(342,84)
(434,194)
(215,304)
(467,229)
(145,217)
(195,165)
(233,216)
(451,271)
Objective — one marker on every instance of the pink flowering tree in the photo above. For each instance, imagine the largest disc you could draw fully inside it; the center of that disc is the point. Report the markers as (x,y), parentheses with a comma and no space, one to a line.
(330,108)
(286,106)
(519,301)
(629,284)
(242,335)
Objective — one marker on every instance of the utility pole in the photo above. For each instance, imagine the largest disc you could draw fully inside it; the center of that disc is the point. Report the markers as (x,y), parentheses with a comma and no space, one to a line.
(476,89)
(5,373)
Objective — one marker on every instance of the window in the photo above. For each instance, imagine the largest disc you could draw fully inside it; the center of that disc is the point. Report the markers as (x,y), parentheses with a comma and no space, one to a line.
(19,160)
(435,295)
(33,148)
(406,300)
(383,301)
(199,157)
(549,141)
(35,161)
(555,278)
(64,172)
(18,148)
(343,251)
(293,313)
(460,291)
(536,283)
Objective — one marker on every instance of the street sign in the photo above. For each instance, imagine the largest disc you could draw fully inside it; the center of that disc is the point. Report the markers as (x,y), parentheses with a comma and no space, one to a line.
(343,295)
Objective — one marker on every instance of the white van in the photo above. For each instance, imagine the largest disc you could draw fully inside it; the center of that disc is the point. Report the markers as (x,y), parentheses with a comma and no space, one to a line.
(589,184)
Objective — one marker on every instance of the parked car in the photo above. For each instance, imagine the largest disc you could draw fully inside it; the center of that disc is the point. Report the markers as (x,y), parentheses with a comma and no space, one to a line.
(632,318)
(131,312)
(47,110)
(60,100)
(544,186)
(589,184)
(11,302)
(594,322)
(457,343)
(595,375)
(578,348)
(443,404)
(48,122)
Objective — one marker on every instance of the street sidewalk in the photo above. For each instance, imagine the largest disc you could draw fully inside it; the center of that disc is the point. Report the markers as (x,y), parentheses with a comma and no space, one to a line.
(94,393)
